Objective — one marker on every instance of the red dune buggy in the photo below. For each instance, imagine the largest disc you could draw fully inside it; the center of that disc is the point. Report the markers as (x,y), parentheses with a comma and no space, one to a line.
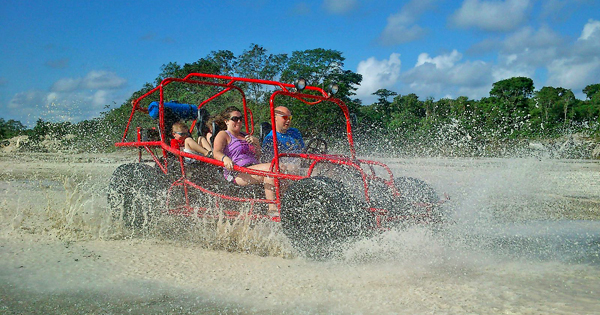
(330,199)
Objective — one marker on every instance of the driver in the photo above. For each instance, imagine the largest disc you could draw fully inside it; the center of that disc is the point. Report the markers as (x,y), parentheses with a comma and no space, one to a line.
(289,140)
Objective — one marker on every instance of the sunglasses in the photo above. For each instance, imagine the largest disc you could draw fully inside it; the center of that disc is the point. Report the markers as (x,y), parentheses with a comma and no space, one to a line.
(285,117)
(236,118)
(182,133)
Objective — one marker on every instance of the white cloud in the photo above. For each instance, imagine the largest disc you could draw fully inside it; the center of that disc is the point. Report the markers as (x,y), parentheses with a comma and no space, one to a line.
(70,99)
(445,75)
(503,73)
(26,99)
(377,74)
(440,62)
(546,56)
(528,37)
(573,73)
(528,49)
(401,27)
(340,6)
(66,85)
(102,80)
(491,15)
(395,34)
(94,80)
(571,65)
(100,98)
(588,44)
(590,30)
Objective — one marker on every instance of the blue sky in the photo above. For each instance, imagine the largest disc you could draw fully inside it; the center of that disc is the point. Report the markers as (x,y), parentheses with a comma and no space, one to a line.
(66,60)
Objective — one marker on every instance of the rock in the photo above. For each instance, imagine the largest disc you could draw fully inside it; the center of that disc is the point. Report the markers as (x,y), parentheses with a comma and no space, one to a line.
(14,144)
(537,146)
(596,152)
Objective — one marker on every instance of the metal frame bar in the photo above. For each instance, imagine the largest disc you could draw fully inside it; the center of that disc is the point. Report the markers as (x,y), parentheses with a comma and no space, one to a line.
(284,90)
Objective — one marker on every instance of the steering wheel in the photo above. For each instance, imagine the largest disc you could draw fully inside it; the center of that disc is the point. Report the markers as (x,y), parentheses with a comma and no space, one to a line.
(316,146)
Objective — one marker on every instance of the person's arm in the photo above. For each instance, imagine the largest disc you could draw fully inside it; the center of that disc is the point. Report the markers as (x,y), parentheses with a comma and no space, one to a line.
(256,144)
(219,146)
(301,140)
(174,144)
(190,144)
(204,143)
(295,133)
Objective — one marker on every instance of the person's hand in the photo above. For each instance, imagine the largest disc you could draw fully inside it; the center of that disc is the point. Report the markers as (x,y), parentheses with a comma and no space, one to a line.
(252,140)
(228,163)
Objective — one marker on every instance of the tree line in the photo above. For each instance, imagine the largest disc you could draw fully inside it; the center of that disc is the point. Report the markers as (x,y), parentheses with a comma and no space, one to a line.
(513,110)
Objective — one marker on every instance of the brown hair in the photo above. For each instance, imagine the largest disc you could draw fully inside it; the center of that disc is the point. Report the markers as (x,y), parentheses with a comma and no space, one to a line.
(226,114)
(218,120)
(180,127)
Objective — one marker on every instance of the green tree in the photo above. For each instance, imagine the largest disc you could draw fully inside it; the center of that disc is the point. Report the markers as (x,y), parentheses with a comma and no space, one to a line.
(592,104)
(321,67)
(407,111)
(514,90)
(567,99)
(10,128)
(256,63)
(513,95)
(591,90)
(169,70)
(223,60)
(383,95)
(544,102)
(382,106)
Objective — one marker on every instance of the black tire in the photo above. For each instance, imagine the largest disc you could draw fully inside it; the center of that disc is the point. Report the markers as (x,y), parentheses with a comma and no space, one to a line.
(381,195)
(415,192)
(173,168)
(136,192)
(318,215)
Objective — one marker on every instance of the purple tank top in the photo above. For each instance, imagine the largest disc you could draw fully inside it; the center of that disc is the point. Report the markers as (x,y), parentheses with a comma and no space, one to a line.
(240,152)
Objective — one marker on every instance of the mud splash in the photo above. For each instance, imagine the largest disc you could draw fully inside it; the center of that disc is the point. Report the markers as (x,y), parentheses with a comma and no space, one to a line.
(525,239)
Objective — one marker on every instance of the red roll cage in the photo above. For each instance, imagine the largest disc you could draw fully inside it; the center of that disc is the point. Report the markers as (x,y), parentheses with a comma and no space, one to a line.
(228,83)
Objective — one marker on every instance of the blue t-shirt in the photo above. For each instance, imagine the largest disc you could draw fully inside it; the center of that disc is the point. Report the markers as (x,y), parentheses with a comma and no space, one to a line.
(289,142)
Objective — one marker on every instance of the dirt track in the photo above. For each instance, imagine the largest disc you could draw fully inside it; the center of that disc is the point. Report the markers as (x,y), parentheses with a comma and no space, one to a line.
(515,248)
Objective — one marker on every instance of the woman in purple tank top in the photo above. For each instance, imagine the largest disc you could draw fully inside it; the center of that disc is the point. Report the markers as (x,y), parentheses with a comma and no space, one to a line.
(234,147)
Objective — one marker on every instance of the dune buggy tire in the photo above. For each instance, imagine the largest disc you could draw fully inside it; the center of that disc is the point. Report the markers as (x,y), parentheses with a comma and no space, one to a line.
(318,215)
(136,193)
(414,192)
(381,195)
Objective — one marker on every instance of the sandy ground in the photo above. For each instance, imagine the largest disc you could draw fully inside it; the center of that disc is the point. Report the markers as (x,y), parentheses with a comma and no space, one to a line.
(526,240)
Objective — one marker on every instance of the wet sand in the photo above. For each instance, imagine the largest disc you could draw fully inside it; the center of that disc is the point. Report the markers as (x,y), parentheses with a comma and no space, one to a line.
(526,240)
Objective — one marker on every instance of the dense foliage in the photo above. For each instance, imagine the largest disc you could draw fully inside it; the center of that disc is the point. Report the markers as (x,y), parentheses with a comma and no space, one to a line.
(514,110)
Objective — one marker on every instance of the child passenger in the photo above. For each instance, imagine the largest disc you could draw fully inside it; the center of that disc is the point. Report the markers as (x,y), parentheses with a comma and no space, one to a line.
(183,141)
(207,132)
